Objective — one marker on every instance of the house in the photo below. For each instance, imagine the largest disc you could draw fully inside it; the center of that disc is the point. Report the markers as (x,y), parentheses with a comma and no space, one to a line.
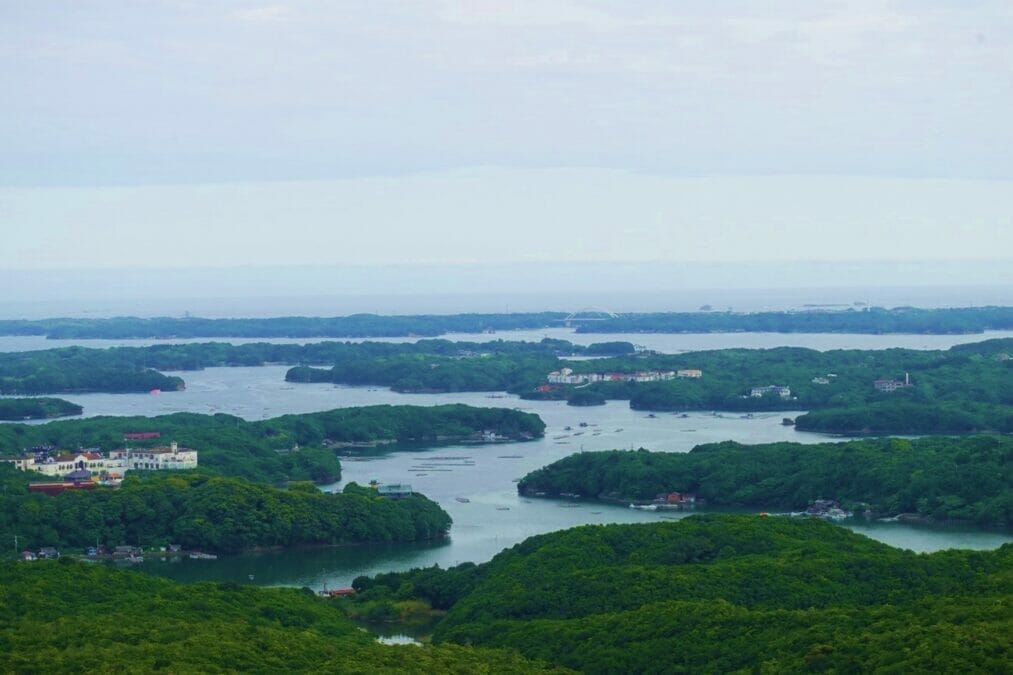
(27,555)
(336,592)
(48,553)
(892,385)
(395,490)
(691,373)
(126,550)
(20,462)
(770,390)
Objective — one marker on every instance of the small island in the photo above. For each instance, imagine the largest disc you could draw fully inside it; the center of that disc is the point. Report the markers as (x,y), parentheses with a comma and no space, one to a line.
(931,479)
(281,449)
(16,409)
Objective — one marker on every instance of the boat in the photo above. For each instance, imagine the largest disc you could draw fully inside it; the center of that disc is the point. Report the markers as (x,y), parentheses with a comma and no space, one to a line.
(651,416)
(197,555)
(567,428)
(463,500)
(644,507)
(502,508)
(582,424)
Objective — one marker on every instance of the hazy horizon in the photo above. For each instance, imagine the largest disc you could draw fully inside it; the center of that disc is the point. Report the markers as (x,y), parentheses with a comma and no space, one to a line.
(294,133)
(443,289)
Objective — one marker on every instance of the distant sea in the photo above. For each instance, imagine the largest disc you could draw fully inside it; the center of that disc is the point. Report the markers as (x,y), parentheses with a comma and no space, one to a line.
(741,300)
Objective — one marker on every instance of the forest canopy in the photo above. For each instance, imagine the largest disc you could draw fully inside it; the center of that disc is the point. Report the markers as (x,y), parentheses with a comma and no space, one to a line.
(721,594)
(213,513)
(67,616)
(964,479)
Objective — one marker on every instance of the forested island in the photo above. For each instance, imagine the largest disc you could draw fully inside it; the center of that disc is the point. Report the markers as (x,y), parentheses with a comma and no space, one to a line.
(981,372)
(290,447)
(200,511)
(941,479)
(721,594)
(910,417)
(37,408)
(114,620)
(871,320)
(473,366)
(863,391)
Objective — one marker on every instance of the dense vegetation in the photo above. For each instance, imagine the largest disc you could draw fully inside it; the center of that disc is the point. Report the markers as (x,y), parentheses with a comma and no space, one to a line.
(978,377)
(66,616)
(37,408)
(725,593)
(464,366)
(291,447)
(874,320)
(967,479)
(355,325)
(910,417)
(979,373)
(440,366)
(207,512)
(76,369)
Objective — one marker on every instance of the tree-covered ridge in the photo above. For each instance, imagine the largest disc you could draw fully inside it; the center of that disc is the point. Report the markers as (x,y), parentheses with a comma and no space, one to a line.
(874,320)
(355,325)
(214,513)
(910,417)
(725,593)
(66,616)
(37,408)
(291,447)
(966,479)
(977,373)
(134,369)
(78,370)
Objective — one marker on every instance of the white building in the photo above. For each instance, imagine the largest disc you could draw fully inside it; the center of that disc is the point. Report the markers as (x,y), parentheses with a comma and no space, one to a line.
(692,373)
(760,392)
(567,376)
(172,458)
(112,467)
(61,465)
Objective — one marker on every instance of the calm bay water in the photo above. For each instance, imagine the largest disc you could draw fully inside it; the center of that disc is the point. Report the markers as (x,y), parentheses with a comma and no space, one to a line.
(666,343)
(494,516)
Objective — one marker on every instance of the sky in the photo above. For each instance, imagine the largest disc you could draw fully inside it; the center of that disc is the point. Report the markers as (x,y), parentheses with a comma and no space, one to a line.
(183,133)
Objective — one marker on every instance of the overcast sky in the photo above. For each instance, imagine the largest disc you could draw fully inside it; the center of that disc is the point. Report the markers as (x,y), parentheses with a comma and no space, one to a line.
(249,133)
